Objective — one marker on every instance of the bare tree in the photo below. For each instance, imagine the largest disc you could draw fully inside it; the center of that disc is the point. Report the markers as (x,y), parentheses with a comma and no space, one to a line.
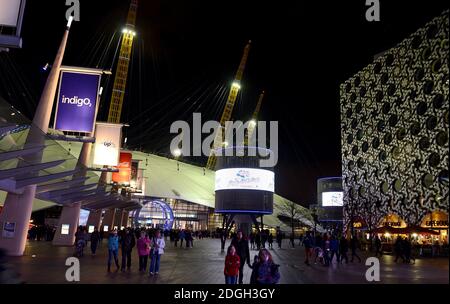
(294,212)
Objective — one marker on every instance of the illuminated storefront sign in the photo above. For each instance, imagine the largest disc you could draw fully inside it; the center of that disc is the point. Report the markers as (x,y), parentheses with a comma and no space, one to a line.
(436,219)
(393,220)
(245,179)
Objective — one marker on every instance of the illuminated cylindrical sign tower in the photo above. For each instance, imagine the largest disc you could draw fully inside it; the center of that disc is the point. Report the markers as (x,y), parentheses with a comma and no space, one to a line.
(330,199)
(242,186)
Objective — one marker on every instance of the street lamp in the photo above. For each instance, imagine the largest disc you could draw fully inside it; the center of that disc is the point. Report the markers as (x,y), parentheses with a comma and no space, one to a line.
(177,153)
(315,220)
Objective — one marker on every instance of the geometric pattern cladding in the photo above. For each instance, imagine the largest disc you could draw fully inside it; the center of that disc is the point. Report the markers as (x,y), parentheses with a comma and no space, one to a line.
(395,131)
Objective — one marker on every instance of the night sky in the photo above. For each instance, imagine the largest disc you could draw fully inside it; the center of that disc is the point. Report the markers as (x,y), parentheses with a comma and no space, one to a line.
(186,55)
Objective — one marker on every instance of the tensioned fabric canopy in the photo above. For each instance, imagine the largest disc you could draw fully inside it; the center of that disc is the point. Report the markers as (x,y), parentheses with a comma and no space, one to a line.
(169,178)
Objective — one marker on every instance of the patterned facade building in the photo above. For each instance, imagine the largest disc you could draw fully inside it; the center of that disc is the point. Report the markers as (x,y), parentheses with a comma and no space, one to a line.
(394,131)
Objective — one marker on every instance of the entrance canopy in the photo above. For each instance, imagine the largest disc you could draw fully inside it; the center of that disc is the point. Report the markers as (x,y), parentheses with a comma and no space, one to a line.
(29,156)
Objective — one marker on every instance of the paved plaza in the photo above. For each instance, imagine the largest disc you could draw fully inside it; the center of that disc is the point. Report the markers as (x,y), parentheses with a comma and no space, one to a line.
(203,264)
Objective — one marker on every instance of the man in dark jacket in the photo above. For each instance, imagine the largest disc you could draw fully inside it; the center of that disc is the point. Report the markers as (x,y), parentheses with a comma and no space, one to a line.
(95,237)
(127,243)
(343,249)
(354,245)
(243,251)
(279,238)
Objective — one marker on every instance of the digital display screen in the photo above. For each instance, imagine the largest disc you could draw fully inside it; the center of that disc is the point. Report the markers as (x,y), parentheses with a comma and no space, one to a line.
(105,228)
(90,229)
(245,179)
(332,199)
(65,229)
(84,214)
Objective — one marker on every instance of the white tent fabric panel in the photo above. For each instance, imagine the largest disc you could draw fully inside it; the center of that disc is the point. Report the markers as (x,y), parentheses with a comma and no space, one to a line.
(169,178)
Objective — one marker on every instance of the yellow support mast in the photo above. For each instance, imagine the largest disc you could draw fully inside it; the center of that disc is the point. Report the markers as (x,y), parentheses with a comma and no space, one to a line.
(120,80)
(254,121)
(226,115)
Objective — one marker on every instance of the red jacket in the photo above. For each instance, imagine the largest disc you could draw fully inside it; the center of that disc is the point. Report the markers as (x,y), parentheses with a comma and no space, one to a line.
(232,263)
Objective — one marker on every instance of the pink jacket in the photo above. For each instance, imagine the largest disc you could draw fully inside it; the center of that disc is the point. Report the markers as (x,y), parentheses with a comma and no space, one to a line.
(143,246)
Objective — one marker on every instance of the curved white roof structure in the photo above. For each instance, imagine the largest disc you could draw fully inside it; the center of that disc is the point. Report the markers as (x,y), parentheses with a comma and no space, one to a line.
(169,178)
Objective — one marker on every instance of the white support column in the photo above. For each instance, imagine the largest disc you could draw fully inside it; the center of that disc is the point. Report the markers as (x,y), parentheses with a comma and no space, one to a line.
(71,213)
(69,216)
(17,208)
(94,219)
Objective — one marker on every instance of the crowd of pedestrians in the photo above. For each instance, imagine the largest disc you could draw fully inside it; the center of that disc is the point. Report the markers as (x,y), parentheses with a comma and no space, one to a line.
(148,243)
(41,233)
(150,247)
(324,247)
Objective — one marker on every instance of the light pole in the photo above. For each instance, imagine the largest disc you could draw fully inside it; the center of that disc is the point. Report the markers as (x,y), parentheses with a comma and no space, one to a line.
(177,153)
(315,220)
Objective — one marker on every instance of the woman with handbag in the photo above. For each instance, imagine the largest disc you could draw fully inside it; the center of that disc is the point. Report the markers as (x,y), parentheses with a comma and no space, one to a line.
(157,249)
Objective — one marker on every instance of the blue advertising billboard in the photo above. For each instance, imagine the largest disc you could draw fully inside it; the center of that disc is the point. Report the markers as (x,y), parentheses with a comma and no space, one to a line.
(77,102)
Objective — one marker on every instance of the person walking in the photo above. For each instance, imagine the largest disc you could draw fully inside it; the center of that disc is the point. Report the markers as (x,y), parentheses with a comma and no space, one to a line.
(292,239)
(86,236)
(343,249)
(232,266)
(157,249)
(113,249)
(300,240)
(308,244)
(143,247)
(326,250)
(334,249)
(258,240)
(398,248)
(263,238)
(279,237)
(95,238)
(79,242)
(182,236)
(270,240)
(354,246)
(241,246)
(252,241)
(254,265)
(407,250)
(378,246)
(127,243)
(265,271)
(177,238)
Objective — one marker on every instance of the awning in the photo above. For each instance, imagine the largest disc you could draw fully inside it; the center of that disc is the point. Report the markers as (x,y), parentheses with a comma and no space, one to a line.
(405,230)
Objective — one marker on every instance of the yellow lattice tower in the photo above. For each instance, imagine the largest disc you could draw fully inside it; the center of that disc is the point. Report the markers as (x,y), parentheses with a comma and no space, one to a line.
(252,124)
(226,115)
(120,80)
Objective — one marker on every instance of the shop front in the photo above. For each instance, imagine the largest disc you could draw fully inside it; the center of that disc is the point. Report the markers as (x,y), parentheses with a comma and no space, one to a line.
(428,239)
(389,229)
(436,221)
